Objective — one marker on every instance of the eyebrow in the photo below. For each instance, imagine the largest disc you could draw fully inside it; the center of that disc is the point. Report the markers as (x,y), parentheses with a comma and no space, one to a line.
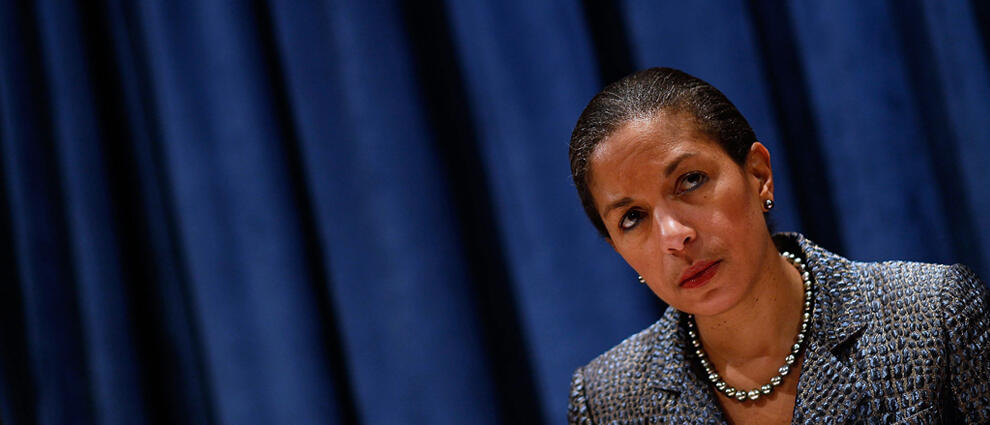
(677,161)
(666,173)
(617,204)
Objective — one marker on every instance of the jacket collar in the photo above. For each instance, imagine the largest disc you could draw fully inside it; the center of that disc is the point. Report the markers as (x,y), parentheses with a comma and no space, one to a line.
(828,377)
(673,369)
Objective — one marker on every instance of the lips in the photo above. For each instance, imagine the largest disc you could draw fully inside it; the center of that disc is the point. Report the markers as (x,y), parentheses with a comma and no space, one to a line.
(699,274)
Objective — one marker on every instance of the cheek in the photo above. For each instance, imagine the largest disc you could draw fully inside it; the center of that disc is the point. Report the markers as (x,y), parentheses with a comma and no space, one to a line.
(729,223)
(736,209)
(647,262)
(638,257)
(744,227)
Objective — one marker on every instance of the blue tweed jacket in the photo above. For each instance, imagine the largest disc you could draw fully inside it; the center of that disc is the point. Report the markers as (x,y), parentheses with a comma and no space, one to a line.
(890,342)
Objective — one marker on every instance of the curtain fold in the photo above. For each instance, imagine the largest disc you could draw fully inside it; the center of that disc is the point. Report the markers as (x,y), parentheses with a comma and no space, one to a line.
(528,72)
(348,212)
(386,224)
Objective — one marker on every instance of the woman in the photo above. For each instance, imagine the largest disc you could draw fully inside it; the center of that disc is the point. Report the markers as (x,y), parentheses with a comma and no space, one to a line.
(761,329)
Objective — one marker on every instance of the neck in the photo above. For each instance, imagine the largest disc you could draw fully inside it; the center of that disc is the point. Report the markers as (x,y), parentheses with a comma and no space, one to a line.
(764,324)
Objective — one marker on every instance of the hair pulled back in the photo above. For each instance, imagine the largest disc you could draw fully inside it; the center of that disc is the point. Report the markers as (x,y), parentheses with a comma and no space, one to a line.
(644,95)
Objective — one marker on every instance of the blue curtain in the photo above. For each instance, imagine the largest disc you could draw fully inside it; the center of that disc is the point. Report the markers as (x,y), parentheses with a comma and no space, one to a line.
(351,212)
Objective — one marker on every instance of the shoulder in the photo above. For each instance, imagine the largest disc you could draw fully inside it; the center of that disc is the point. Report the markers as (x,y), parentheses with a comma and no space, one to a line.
(936,286)
(965,305)
(961,288)
(915,333)
(939,315)
(902,294)
(620,364)
(609,386)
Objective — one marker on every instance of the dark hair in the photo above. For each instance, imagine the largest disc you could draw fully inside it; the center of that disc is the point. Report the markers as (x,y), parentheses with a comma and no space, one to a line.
(643,95)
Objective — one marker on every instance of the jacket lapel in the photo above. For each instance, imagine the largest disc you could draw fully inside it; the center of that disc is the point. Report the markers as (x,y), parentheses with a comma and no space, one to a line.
(829,389)
(687,398)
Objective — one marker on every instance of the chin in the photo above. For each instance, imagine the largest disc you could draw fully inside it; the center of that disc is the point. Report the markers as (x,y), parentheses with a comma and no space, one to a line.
(706,311)
(711,305)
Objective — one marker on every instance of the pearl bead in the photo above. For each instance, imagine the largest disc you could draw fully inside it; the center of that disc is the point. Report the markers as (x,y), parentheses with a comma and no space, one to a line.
(789,361)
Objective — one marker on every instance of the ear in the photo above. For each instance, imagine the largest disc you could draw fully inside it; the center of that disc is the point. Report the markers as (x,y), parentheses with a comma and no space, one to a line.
(758,167)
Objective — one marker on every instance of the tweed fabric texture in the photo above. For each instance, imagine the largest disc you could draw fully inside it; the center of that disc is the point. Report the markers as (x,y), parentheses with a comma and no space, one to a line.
(890,342)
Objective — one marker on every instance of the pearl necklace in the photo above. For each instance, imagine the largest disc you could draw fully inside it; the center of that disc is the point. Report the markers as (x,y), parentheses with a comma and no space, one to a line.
(765,390)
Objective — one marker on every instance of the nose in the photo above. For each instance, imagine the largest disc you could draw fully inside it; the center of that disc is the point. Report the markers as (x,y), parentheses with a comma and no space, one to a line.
(674,234)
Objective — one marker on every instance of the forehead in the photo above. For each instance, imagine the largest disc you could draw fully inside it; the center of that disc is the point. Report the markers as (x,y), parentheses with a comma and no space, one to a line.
(654,140)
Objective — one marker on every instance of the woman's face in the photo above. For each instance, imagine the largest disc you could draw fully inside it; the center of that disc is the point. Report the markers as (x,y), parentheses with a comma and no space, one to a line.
(682,213)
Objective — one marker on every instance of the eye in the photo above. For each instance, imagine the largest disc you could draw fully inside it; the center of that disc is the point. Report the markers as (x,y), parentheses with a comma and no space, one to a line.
(630,219)
(691,181)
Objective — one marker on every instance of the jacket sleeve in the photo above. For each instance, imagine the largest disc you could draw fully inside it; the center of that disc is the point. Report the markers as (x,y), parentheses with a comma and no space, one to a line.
(577,409)
(966,309)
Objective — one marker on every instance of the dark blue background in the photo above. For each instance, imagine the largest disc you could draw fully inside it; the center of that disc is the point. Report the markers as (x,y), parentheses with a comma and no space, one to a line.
(286,212)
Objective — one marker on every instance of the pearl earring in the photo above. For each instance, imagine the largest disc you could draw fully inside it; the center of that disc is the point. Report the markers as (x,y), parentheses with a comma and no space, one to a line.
(768,204)
(641,280)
